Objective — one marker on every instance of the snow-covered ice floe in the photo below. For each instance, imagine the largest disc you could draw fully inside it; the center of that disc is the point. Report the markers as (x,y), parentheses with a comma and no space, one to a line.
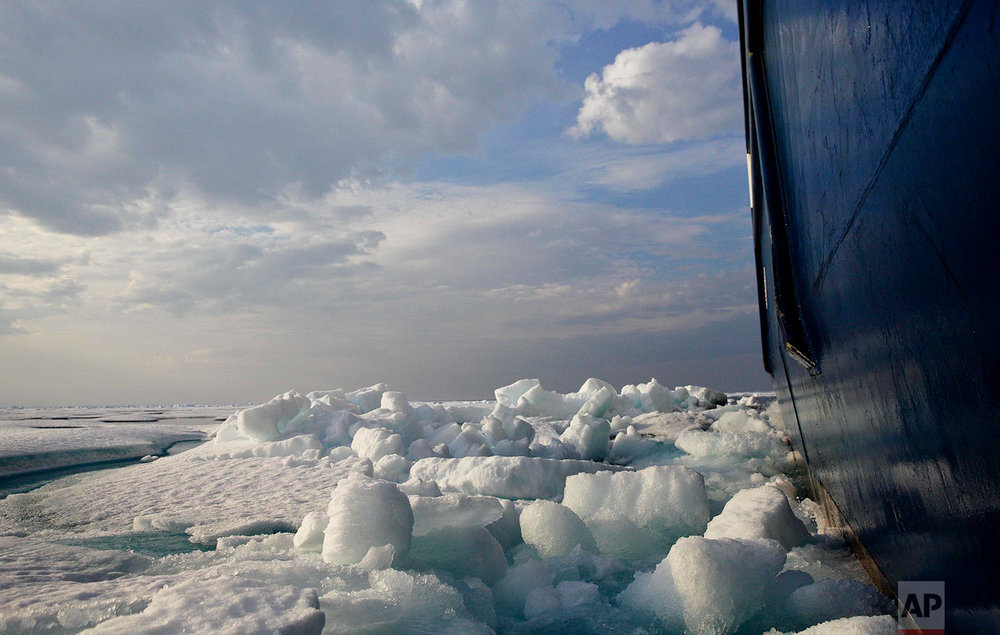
(645,509)
(33,440)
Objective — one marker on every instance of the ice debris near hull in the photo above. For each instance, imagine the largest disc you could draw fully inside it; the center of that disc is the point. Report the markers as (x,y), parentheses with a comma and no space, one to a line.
(601,510)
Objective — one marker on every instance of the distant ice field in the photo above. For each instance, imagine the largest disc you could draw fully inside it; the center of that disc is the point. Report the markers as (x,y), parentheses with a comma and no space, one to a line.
(40,439)
(640,509)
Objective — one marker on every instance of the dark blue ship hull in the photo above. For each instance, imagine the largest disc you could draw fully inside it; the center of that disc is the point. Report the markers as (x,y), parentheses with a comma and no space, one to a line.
(874,142)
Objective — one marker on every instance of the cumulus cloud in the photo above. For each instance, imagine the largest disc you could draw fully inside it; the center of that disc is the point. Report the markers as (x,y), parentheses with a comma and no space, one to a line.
(111,110)
(685,89)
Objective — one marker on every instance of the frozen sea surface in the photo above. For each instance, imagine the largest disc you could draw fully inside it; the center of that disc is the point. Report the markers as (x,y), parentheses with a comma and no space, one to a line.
(40,439)
(643,509)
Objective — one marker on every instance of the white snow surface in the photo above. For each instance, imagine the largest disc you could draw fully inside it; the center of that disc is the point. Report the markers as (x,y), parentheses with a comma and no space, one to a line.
(644,509)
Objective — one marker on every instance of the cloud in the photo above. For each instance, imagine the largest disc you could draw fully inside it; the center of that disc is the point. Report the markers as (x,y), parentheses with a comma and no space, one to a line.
(34,298)
(646,171)
(435,286)
(686,89)
(16,265)
(222,196)
(638,168)
(240,272)
(600,14)
(111,111)
(501,256)
(114,114)
(9,322)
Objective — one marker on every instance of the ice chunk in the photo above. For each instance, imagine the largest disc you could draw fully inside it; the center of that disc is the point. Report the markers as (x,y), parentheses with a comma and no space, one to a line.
(756,443)
(620,423)
(506,434)
(229,604)
(468,411)
(592,387)
(374,443)
(419,449)
(574,593)
(654,397)
(368,399)
(478,599)
(589,436)
(517,429)
(507,529)
(366,513)
(453,511)
(394,401)
(335,394)
(509,395)
(560,604)
(521,447)
(338,428)
(877,625)
(617,536)
(631,393)
(378,558)
(538,402)
(553,448)
(493,430)
(665,501)
(309,537)
(335,399)
(554,530)
(761,512)
(740,420)
(601,403)
(512,591)
(211,533)
(829,599)
(540,601)
(364,467)
(399,602)
(303,445)
(444,434)
(566,596)
(708,586)
(266,421)
(461,551)
(504,476)
(469,442)
(420,487)
(340,453)
(628,446)
(392,467)
(706,397)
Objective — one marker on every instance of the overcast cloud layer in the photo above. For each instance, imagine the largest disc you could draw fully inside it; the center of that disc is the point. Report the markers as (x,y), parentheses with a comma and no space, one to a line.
(217,203)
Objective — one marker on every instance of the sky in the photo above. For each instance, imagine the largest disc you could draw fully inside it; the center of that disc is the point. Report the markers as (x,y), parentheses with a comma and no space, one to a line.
(219,202)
